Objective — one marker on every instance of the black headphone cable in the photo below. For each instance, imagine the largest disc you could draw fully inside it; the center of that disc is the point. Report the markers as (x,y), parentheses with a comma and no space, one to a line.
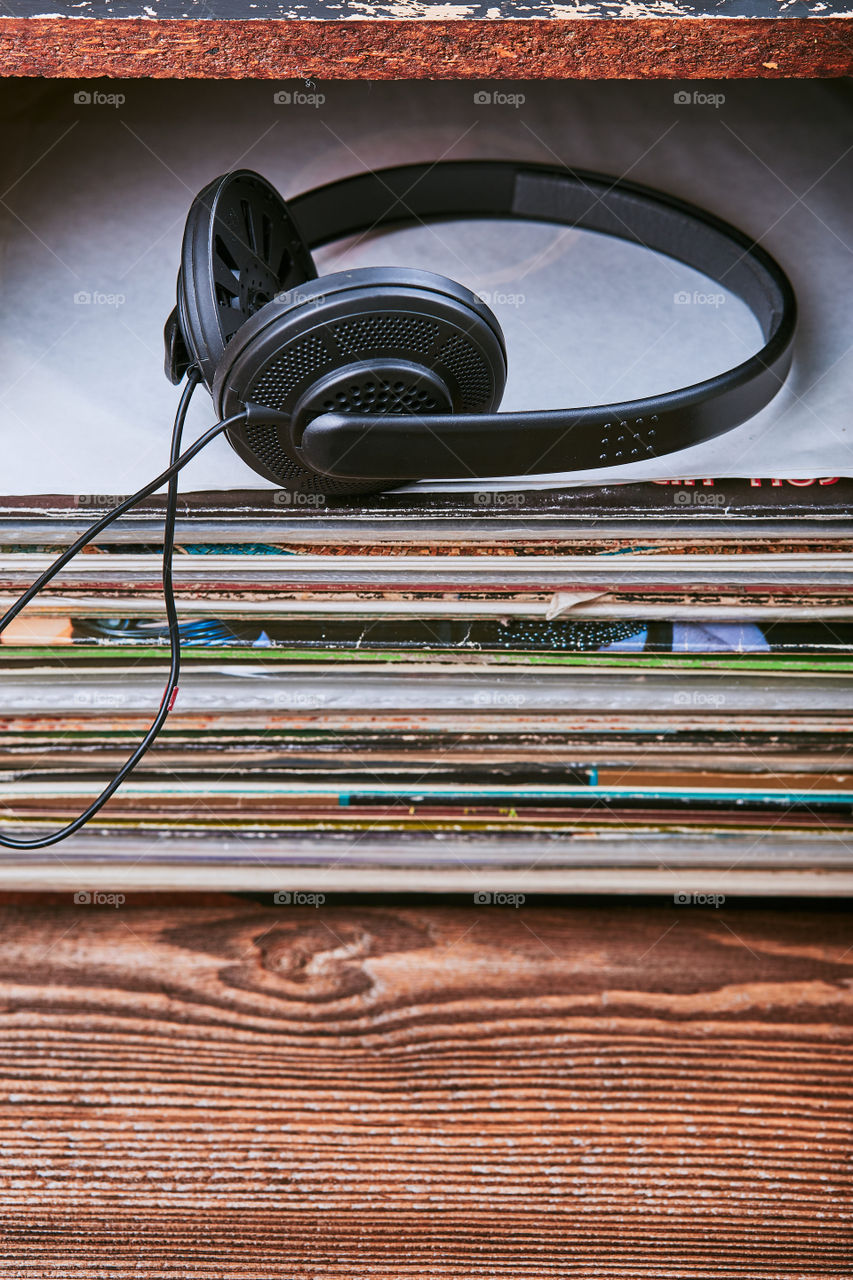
(177,461)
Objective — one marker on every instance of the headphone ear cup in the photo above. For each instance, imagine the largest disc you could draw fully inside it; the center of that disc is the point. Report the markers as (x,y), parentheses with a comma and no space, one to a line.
(377,340)
(241,247)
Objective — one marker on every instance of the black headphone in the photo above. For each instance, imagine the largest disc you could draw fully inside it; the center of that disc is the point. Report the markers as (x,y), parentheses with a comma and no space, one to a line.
(324,368)
(311,377)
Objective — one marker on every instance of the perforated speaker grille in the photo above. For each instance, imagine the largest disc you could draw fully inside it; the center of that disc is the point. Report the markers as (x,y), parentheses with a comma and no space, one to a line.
(288,369)
(264,442)
(469,369)
(377,355)
(376,395)
(273,388)
(373,333)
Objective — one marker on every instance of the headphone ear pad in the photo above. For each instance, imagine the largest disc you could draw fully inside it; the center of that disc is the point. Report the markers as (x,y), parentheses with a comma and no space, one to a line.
(241,247)
(375,340)
(178,358)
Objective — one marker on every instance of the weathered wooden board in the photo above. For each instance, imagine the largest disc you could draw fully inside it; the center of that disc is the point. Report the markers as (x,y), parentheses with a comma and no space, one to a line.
(443,44)
(383,10)
(212,1087)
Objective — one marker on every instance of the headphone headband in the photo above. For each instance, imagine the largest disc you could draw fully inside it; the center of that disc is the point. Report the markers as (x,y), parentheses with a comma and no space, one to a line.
(349,446)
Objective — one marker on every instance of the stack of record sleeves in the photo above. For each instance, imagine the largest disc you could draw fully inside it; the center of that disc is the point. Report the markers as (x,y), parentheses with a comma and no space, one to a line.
(629,688)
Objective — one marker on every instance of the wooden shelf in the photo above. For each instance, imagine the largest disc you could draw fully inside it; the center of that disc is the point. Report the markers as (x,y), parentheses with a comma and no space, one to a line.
(744,38)
(218,1087)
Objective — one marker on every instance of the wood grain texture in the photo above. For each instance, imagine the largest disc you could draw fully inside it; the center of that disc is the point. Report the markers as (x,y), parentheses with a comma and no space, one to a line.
(577,48)
(215,1087)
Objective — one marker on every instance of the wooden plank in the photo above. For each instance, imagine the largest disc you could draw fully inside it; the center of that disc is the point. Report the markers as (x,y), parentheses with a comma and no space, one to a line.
(423,48)
(216,1087)
(383,10)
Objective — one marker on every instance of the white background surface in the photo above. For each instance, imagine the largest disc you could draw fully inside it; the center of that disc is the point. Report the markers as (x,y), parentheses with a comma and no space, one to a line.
(95,199)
